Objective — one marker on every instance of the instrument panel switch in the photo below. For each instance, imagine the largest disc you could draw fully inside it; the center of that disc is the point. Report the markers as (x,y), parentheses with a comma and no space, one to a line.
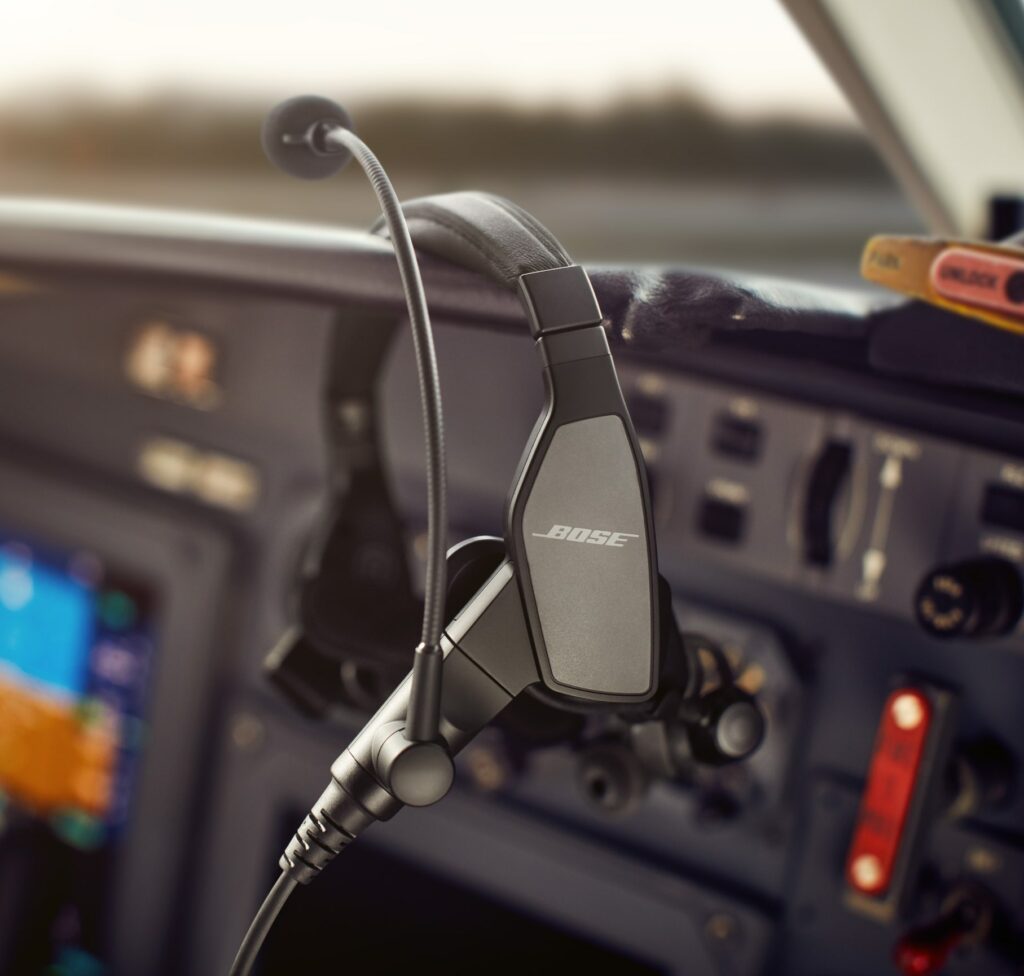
(722,520)
(736,437)
(965,919)
(649,413)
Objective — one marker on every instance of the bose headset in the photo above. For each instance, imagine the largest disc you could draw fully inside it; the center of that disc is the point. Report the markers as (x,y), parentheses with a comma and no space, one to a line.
(569,606)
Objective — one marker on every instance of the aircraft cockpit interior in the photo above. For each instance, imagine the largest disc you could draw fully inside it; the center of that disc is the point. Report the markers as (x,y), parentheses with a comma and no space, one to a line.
(599,431)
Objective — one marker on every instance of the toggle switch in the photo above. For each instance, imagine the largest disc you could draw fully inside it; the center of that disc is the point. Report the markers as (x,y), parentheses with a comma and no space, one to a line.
(965,919)
(736,437)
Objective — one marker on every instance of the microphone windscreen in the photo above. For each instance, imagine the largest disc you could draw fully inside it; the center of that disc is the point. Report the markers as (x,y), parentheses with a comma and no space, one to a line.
(284,137)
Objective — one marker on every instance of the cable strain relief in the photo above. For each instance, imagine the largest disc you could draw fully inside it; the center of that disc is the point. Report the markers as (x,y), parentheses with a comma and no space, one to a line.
(333,823)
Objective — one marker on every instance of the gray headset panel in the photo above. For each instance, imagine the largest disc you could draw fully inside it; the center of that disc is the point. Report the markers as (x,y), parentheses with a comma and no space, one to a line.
(584,535)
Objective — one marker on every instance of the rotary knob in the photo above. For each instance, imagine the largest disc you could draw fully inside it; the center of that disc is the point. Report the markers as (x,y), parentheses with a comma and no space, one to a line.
(976,598)
(725,726)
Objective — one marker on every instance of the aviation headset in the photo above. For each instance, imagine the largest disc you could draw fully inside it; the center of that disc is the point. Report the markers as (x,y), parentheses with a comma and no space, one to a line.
(570,607)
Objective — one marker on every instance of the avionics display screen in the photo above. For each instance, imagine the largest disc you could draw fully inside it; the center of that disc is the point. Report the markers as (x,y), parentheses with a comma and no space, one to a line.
(76,648)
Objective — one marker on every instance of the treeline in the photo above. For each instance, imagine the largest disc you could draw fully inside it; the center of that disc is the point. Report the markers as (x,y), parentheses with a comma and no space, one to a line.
(674,136)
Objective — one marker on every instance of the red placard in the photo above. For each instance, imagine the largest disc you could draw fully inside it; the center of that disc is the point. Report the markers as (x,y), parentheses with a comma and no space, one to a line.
(892,779)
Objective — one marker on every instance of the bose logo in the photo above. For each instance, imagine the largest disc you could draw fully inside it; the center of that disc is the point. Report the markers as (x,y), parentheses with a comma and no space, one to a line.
(596,537)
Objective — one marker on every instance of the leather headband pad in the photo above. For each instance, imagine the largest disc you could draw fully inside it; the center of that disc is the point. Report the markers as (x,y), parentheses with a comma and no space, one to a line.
(482,232)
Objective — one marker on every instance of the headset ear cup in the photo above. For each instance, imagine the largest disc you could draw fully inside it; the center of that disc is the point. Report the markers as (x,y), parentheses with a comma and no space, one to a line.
(470,564)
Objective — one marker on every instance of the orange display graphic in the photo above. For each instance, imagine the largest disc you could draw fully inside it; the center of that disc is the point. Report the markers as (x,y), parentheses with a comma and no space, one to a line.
(56,755)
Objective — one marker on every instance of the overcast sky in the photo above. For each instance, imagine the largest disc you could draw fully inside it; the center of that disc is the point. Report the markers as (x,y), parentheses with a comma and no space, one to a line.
(744,54)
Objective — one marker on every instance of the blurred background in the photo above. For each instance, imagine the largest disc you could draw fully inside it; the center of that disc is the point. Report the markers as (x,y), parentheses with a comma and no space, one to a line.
(710,134)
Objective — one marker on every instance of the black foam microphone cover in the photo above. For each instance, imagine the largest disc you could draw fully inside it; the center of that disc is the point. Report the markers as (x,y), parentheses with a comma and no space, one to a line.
(289,137)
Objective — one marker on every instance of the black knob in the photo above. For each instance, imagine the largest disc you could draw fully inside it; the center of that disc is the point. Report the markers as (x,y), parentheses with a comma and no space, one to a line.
(739,729)
(977,598)
(612,777)
(724,726)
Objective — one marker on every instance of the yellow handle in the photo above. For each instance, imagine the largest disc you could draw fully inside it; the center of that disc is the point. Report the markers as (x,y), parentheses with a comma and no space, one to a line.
(967,277)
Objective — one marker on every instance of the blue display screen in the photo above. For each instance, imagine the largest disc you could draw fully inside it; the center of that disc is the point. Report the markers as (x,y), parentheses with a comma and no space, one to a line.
(77,641)
(46,625)
(76,649)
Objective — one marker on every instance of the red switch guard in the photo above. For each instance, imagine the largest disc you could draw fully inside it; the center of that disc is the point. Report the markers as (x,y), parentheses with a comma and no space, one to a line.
(892,777)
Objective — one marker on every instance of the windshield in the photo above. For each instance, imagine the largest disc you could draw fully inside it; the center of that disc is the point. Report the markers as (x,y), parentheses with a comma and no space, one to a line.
(684,132)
